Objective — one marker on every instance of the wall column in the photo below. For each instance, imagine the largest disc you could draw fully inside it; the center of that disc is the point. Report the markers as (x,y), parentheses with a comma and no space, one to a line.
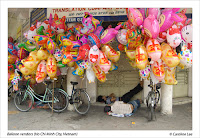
(70,77)
(92,90)
(166,98)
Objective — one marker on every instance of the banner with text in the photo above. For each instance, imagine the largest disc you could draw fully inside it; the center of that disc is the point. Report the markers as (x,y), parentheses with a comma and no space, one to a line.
(76,14)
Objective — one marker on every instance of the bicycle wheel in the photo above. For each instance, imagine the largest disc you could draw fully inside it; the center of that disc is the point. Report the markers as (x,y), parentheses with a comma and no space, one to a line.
(81,101)
(61,100)
(23,101)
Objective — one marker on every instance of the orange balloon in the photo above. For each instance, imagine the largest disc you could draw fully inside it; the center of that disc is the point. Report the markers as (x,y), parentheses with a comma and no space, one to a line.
(26,71)
(158,70)
(110,53)
(169,56)
(141,57)
(170,76)
(101,76)
(51,67)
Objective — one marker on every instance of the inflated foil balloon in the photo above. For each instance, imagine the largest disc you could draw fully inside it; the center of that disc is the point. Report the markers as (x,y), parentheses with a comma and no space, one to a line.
(121,36)
(186,33)
(94,54)
(169,55)
(84,64)
(22,53)
(83,52)
(185,55)
(78,70)
(101,76)
(170,76)
(15,81)
(68,56)
(11,59)
(158,70)
(103,62)
(60,65)
(162,37)
(71,64)
(109,34)
(58,25)
(144,73)
(28,46)
(11,68)
(31,33)
(185,21)
(110,53)
(134,16)
(90,24)
(121,47)
(99,31)
(84,39)
(58,54)
(113,67)
(43,24)
(90,75)
(40,39)
(51,67)
(10,39)
(153,49)
(68,44)
(141,57)
(31,61)
(59,39)
(12,49)
(42,54)
(134,37)
(41,72)
(131,54)
(151,26)
(173,36)
(167,18)
(132,63)
(93,39)
(26,71)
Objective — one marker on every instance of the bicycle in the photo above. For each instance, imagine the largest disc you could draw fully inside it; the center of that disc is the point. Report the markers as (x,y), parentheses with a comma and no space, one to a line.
(24,99)
(79,98)
(152,100)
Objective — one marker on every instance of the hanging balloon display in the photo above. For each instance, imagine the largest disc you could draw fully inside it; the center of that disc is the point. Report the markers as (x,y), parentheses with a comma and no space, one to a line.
(110,53)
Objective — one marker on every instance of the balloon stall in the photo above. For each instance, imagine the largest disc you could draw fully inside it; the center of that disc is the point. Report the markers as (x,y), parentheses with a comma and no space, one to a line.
(149,38)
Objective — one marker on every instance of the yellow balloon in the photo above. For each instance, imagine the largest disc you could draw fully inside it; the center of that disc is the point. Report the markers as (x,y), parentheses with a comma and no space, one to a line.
(51,67)
(71,64)
(141,57)
(101,76)
(133,63)
(32,60)
(42,54)
(169,56)
(131,54)
(110,53)
(170,76)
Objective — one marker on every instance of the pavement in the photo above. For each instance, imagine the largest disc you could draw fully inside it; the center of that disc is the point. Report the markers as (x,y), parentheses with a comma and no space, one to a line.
(96,119)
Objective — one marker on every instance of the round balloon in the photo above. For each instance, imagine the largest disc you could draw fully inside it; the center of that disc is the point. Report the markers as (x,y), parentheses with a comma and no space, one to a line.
(121,36)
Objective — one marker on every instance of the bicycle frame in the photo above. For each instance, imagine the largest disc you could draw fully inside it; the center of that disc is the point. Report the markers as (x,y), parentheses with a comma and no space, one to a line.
(37,96)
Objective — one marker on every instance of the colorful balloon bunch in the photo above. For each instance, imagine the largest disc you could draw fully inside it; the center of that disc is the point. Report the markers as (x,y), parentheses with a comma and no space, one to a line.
(154,34)
(150,34)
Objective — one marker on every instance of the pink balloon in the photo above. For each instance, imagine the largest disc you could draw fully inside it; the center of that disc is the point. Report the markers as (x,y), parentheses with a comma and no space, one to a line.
(153,11)
(151,26)
(134,16)
(103,62)
(167,18)
(153,49)
(109,34)
(94,54)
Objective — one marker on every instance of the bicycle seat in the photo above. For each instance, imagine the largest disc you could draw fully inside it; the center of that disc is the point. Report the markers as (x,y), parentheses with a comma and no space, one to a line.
(74,83)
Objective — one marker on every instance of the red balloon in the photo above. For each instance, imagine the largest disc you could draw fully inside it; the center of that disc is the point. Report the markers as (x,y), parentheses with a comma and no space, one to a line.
(83,52)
